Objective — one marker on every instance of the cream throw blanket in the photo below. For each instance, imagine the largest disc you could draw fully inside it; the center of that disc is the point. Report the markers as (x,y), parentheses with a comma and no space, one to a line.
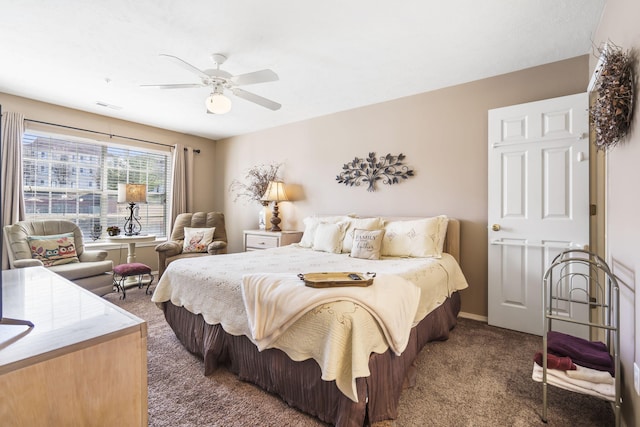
(275,301)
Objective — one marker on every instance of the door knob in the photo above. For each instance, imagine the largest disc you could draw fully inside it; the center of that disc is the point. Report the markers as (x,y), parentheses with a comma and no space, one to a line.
(495,227)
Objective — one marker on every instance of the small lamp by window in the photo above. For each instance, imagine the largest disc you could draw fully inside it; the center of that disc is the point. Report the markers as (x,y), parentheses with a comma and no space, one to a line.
(132,194)
(275,193)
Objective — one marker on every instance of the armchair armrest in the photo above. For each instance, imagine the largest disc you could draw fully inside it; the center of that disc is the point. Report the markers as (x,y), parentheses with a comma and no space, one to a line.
(215,246)
(94,255)
(22,263)
(169,248)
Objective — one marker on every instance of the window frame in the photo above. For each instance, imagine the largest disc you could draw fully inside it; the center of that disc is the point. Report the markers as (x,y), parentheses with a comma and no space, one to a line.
(107,215)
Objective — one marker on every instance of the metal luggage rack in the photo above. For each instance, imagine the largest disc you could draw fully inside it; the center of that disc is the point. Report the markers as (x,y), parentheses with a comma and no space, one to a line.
(577,276)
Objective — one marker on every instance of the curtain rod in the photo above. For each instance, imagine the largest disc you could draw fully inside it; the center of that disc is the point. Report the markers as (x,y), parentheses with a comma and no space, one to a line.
(110,135)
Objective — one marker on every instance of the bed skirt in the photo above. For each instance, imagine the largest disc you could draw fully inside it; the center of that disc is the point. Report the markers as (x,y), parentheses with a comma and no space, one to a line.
(299,383)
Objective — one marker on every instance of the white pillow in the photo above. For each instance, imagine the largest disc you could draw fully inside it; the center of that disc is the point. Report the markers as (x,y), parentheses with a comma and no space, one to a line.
(416,238)
(442,226)
(197,239)
(311,224)
(329,237)
(367,243)
(362,224)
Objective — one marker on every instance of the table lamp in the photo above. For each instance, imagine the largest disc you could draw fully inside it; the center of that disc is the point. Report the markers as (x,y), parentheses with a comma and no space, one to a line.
(275,193)
(132,194)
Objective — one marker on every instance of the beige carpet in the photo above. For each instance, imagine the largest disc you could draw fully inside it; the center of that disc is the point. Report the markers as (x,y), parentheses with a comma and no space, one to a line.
(481,376)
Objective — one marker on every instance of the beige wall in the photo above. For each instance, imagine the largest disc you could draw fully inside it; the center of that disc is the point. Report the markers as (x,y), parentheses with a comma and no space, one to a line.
(204,172)
(443,135)
(619,25)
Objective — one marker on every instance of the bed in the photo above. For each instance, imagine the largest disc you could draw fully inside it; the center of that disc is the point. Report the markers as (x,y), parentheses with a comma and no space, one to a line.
(339,360)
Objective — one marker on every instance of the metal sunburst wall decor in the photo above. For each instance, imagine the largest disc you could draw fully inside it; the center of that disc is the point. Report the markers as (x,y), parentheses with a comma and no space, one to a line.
(389,169)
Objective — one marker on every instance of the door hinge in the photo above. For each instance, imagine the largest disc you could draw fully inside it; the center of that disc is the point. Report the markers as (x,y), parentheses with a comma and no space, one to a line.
(592,210)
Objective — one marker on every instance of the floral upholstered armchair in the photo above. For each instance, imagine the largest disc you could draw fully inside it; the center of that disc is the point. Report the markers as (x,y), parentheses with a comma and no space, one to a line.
(193,235)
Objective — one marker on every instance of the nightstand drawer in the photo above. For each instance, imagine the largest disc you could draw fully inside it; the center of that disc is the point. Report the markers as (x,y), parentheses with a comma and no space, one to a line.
(261,242)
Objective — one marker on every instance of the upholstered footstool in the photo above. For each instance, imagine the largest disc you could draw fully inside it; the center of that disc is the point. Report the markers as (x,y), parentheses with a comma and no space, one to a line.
(124,273)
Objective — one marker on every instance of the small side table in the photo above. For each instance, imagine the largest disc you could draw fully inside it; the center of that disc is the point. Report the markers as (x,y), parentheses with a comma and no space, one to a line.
(256,240)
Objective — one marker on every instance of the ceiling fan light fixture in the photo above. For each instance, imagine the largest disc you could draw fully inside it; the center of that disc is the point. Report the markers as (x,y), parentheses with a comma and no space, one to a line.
(217,103)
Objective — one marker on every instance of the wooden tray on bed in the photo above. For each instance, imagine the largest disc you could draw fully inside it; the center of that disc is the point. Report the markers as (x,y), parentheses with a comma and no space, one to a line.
(336,279)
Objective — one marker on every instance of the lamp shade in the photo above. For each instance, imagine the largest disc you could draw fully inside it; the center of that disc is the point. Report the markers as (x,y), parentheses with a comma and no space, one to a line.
(132,193)
(217,103)
(275,192)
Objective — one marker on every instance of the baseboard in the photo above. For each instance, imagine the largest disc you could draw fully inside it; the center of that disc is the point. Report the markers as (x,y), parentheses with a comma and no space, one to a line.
(473,316)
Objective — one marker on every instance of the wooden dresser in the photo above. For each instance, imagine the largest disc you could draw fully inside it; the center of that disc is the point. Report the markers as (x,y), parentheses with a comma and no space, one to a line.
(255,240)
(83,363)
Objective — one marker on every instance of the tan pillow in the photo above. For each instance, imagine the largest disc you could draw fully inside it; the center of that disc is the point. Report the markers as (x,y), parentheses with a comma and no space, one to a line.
(415,238)
(362,224)
(329,237)
(197,239)
(55,249)
(367,243)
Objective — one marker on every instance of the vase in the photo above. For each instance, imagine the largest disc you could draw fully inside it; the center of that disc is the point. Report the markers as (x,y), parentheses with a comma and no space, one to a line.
(262,218)
(96,232)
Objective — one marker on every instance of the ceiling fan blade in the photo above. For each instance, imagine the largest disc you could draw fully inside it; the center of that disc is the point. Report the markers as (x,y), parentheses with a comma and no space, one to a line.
(175,86)
(186,65)
(261,76)
(240,93)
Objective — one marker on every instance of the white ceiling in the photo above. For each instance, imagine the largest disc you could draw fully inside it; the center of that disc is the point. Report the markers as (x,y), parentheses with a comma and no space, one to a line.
(330,55)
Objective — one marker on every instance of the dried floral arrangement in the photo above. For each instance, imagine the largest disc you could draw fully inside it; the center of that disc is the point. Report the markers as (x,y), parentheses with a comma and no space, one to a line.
(257,180)
(388,169)
(612,111)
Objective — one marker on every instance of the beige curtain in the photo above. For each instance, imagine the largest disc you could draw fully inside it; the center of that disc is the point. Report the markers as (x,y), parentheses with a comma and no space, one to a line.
(181,182)
(11,180)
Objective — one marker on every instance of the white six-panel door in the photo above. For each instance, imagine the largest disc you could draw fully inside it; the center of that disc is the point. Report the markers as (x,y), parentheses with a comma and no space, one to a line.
(538,203)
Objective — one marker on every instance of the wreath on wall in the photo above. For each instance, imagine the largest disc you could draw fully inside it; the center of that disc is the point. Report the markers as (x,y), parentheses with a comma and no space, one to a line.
(612,111)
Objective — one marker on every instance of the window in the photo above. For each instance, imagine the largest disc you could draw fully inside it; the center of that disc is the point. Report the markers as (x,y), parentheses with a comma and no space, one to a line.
(65,178)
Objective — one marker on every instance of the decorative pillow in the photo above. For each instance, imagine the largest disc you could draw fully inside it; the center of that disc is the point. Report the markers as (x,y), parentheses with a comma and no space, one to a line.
(417,238)
(362,224)
(329,237)
(55,249)
(197,239)
(311,224)
(367,243)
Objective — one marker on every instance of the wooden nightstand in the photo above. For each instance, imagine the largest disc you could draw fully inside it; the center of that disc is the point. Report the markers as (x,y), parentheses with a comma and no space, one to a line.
(256,240)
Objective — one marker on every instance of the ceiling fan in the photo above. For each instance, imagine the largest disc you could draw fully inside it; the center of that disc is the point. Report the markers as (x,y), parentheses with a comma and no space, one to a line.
(219,80)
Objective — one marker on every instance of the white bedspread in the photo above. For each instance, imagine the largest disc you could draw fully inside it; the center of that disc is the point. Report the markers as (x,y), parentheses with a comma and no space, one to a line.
(339,336)
(275,301)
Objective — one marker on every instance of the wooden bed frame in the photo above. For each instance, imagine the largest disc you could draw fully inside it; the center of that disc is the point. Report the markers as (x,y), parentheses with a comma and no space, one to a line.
(300,383)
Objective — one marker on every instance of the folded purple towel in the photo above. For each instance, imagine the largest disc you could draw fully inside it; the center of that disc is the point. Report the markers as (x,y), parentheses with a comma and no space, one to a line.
(590,354)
